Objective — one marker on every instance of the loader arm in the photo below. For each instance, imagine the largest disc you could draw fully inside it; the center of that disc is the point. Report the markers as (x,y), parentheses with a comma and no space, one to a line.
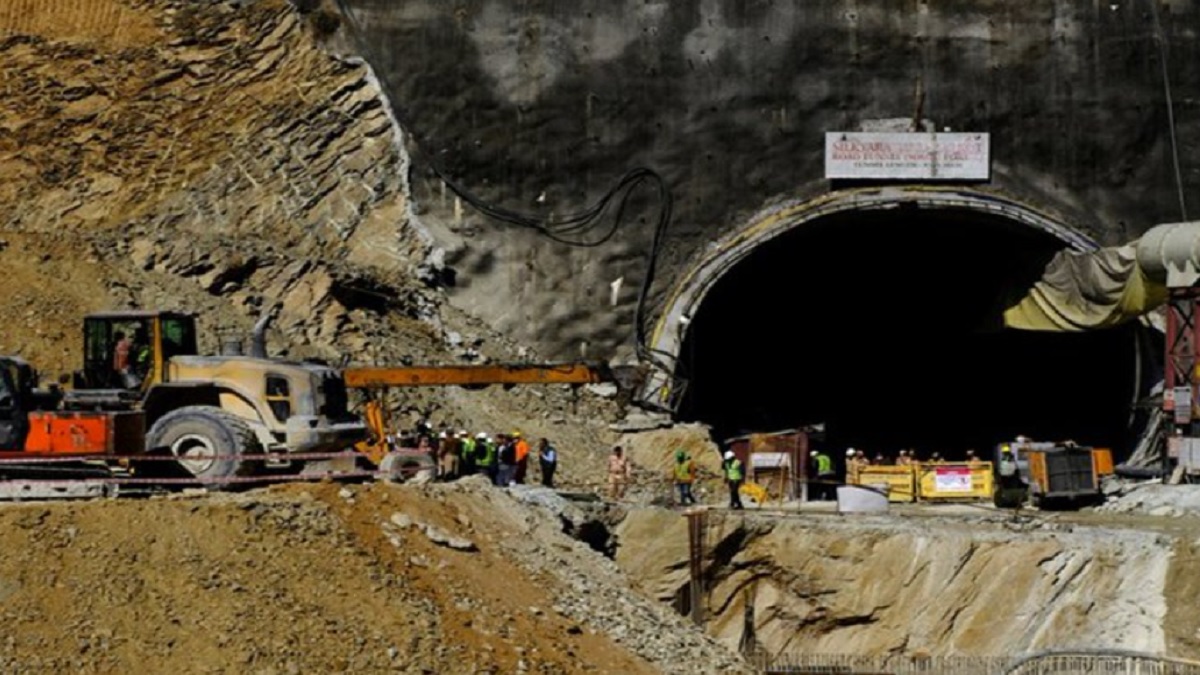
(417,376)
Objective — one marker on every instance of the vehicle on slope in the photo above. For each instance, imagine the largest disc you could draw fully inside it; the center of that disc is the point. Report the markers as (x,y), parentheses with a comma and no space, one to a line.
(141,371)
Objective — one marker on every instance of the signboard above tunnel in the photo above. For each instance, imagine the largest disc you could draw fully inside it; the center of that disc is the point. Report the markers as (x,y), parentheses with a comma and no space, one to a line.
(907,156)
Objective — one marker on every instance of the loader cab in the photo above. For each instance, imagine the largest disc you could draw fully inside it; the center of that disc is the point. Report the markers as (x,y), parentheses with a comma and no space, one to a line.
(129,350)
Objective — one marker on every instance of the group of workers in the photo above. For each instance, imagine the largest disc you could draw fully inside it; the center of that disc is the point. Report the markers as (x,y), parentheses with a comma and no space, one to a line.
(504,459)
(684,474)
(856,461)
(823,475)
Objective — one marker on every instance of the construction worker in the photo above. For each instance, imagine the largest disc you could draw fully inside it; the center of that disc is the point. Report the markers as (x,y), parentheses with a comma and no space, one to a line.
(485,456)
(507,456)
(620,471)
(121,350)
(449,450)
(852,466)
(826,475)
(467,445)
(973,459)
(1011,491)
(734,474)
(548,460)
(685,476)
(522,449)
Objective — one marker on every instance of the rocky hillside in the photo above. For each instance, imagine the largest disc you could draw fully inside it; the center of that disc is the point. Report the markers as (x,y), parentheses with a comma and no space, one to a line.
(210,156)
(221,157)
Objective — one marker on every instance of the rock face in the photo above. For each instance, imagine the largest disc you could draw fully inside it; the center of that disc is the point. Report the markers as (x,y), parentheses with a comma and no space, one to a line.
(214,143)
(541,107)
(223,158)
(879,585)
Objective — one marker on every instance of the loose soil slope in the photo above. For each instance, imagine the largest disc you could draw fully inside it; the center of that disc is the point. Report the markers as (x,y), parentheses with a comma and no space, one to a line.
(325,579)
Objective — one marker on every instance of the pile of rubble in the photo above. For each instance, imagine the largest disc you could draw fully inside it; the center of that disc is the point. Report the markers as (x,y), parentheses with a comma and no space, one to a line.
(458,577)
(1152,498)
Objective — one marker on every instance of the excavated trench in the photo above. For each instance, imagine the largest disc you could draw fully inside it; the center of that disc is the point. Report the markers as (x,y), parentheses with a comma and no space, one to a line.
(886,326)
(909,584)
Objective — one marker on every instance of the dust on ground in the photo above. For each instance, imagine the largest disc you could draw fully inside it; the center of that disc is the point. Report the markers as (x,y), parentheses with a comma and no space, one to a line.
(325,578)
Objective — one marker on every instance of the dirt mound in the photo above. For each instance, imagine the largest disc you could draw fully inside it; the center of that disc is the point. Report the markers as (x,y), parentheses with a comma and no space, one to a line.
(653,454)
(458,578)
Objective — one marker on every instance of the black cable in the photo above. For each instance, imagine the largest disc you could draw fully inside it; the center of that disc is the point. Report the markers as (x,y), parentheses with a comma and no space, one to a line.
(571,229)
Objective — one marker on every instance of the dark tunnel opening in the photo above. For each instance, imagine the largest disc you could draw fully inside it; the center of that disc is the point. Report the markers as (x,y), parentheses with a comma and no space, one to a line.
(886,326)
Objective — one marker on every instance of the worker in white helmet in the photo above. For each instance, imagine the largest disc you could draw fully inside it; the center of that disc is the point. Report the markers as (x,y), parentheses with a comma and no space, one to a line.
(821,469)
(734,474)
(853,466)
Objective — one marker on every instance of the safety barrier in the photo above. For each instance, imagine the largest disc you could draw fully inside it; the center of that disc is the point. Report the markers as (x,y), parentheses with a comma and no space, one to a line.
(955,481)
(960,481)
(900,481)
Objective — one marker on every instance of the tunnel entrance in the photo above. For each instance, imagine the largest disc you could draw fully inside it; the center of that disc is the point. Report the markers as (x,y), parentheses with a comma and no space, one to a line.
(886,326)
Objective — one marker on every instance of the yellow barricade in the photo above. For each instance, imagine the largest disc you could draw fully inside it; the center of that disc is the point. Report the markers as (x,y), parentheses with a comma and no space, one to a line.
(955,481)
(900,480)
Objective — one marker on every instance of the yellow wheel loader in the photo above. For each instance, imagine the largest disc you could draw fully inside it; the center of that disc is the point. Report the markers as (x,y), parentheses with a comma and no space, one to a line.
(213,413)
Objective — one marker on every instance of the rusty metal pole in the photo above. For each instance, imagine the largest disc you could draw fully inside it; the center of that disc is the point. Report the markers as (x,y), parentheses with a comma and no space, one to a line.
(696,563)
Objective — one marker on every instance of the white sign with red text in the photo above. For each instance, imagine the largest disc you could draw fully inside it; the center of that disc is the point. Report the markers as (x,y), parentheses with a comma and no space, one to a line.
(926,156)
(952,479)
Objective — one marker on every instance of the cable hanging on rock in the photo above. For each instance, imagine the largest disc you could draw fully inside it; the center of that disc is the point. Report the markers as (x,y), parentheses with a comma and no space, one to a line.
(577,229)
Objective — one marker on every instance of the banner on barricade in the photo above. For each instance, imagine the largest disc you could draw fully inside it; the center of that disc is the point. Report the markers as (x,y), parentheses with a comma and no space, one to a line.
(952,479)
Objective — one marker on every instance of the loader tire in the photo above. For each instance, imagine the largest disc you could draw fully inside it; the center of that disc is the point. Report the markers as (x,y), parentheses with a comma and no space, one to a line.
(208,443)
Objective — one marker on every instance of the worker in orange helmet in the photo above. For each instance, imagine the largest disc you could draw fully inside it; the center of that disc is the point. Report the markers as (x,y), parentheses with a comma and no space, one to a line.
(522,448)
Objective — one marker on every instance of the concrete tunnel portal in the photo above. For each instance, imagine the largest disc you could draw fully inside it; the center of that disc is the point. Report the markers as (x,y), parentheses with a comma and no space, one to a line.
(886,326)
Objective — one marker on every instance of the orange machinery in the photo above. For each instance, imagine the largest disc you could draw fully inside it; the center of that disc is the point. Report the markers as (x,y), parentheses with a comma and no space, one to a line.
(1066,475)
(365,377)
(31,424)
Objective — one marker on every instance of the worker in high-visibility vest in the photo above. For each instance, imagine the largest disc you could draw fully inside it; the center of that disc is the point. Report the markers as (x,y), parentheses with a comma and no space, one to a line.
(685,476)
(826,476)
(485,455)
(734,474)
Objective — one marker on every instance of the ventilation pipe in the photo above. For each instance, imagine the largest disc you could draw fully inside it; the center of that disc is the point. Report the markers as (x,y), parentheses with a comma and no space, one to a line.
(1170,253)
